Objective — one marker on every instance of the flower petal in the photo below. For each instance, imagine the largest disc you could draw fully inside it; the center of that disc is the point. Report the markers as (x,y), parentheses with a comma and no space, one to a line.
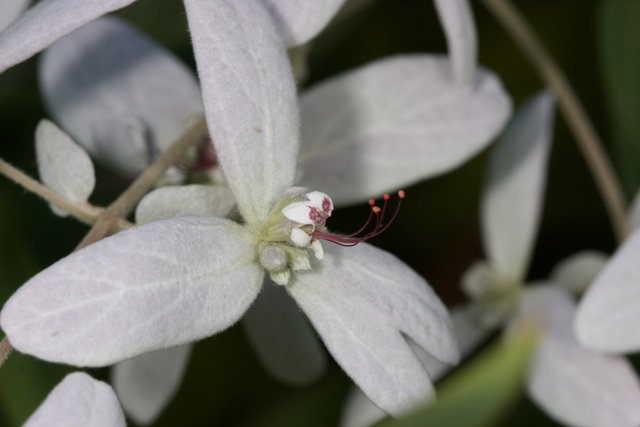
(359,410)
(300,21)
(634,212)
(363,302)
(121,95)
(46,22)
(393,123)
(250,99)
(63,166)
(457,19)
(283,339)
(79,401)
(579,270)
(572,384)
(146,384)
(192,200)
(610,308)
(155,286)
(10,10)
(514,187)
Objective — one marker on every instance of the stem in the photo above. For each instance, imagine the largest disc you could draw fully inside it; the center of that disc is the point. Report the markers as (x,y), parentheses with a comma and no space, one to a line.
(123,205)
(5,350)
(583,130)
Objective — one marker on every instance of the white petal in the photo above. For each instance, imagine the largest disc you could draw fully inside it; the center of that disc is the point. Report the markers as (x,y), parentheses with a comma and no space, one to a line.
(300,238)
(393,123)
(146,384)
(574,385)
(249,97)
(298,212)
(634,212)
(121,95)
(283,339)
(63,166)
(579,270)
(46,22)
(196,200)
(10,10)
(300,21)
(457,19)
(610,309)
(363,302)
(155,286)
(79,401)
(359,410)
(514,187)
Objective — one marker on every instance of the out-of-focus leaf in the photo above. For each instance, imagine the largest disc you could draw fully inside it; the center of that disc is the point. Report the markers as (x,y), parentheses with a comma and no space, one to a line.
(479,393)
(619,37)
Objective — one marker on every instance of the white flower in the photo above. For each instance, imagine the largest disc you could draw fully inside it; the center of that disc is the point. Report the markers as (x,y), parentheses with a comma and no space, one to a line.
(79,401)
(572,384)
(10,10)
(176,280)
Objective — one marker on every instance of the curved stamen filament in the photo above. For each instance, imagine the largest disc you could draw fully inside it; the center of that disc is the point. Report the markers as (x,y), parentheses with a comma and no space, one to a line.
(379,227)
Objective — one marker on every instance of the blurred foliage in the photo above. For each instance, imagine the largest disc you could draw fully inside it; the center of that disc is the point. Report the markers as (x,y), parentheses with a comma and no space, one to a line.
(619,38)
(437,234)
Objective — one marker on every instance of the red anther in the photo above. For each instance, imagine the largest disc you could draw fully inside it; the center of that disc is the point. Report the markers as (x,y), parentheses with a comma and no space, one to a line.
(380,225)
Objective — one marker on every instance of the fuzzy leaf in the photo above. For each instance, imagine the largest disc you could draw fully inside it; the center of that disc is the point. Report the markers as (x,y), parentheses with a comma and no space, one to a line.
(514,188)
(79,401)
(63,166)
(154,286)
(363,302)
(47,22)
(393,123)
(121,95)
(249,98)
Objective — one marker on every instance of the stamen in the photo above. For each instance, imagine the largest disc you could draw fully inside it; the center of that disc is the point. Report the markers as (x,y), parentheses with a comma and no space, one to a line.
(379,227)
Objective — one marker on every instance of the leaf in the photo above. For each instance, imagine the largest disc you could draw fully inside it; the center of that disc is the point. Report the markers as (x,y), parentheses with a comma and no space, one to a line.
(572,384)
(457,19)
(185,200)
(283,338)
(121,95)
(10,10)
(154,286)
(300,21)
(79,401)
(63,166)
(395,122)
(619,36)
(47,22)
(478,393)
(146,384)
(608,312)
(249,98)
(514,188)
(364,302)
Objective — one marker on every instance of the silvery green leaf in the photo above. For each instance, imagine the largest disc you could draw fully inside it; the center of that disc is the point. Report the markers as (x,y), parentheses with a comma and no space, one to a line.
(185,200)
(633,215)
(46,22)
(283,338)
(10,10)
(514,187)
(395,122)
(249,98)
(574,385)
(300,21)
(147,383)
(79,401)
(63,166)
(121,95)
(579,270)
(611,306)
(155,286)
(364,302)
(457,19)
